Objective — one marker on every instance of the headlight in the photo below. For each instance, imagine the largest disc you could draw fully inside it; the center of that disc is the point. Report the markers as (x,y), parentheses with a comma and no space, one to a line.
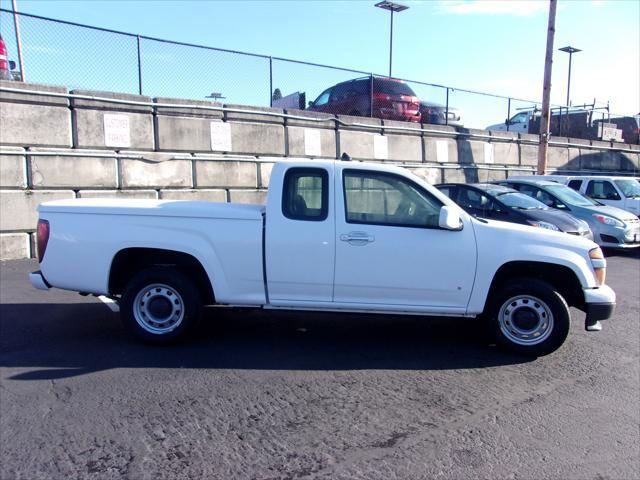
(547,225)
(614,222)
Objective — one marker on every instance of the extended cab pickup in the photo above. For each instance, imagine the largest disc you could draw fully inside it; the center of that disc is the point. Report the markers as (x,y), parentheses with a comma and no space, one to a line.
(334,236)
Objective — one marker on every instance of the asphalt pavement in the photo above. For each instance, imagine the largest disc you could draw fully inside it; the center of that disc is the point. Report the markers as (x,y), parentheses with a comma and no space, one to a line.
(258,395)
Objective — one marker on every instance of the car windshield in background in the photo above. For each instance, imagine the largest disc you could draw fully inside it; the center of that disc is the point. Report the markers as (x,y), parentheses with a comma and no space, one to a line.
(521,201)
(630,187)
(392,88)
(570,196)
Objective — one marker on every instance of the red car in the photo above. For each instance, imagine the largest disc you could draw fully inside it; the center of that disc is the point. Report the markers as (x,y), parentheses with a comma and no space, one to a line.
(5,65)
(392,99)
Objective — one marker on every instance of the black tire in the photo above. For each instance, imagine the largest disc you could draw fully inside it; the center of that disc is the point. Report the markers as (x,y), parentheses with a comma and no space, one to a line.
(529,317)
(160,305)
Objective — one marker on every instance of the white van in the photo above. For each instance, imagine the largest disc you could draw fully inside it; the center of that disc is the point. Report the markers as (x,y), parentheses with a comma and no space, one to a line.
(621,192)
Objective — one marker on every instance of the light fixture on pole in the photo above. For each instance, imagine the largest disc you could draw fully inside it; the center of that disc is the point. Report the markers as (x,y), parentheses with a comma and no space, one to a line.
(570,51)
(392,7)
(215,96)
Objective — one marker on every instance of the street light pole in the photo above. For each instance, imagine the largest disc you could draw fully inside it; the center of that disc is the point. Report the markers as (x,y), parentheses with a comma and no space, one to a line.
(391,44)
(570,50)
(392,7)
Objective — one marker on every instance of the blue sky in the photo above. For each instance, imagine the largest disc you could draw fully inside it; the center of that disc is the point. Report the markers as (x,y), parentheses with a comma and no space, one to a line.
(490,46)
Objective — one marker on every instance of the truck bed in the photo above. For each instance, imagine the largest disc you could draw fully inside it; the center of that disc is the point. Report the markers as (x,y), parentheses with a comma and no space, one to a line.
(162,208)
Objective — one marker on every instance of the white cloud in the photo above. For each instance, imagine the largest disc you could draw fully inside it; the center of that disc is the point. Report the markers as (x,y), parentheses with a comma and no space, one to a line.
(494,7)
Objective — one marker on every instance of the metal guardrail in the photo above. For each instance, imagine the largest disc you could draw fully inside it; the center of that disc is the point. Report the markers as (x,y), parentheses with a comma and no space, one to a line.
(338,121)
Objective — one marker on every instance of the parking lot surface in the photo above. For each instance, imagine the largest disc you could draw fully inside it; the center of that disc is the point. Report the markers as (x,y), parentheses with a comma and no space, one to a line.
(285,395)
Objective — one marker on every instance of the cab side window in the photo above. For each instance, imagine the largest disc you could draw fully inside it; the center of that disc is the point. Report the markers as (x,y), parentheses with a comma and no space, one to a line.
(379,198)
(602,190)
(305,194)
(519,118)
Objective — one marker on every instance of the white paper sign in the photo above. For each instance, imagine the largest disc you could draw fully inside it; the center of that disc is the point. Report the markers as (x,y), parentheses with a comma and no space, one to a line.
(442,151)
(380,147)
(312,144)
(220,137)
(488,153)
(116,130)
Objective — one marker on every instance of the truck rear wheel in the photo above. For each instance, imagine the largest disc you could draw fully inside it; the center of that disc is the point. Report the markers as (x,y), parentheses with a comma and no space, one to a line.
(529,316)
(160,305)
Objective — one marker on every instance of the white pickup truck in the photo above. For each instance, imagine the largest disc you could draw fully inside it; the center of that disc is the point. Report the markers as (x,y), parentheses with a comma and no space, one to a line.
(334,236)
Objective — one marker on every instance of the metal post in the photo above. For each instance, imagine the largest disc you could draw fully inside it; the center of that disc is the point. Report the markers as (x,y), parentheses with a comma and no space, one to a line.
(508,112)
(446,109)
(270,81)
(559,121)
(16,24)
(371,95)
(569,81)
(391,44)
(546,90)
(139,68)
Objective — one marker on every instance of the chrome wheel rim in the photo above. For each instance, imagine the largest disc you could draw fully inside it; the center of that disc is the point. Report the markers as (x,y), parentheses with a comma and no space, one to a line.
(158,309)
(525,320)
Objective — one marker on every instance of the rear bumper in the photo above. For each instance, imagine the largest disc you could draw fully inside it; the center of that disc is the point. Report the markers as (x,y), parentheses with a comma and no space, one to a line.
(38,281)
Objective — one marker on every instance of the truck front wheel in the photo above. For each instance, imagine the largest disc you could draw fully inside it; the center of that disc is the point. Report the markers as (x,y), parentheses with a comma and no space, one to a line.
(159,305)
(529,316)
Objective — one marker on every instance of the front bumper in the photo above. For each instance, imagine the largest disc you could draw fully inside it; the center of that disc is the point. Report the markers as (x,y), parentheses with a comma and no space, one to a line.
(38,281)
(599,305)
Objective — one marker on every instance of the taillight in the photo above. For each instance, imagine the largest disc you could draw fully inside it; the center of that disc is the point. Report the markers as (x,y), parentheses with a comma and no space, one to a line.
(4,60)
(43,238)
(381,97)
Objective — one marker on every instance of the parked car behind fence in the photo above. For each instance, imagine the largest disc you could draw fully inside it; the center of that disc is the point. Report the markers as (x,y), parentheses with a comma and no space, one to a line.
(437,114)
(391,99)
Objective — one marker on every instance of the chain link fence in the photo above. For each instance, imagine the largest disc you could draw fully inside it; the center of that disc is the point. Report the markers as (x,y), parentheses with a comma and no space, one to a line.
(84,57)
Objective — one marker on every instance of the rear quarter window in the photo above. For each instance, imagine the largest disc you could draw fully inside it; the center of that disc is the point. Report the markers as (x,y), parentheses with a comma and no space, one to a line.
(575,184)
(392,88)
(305,194)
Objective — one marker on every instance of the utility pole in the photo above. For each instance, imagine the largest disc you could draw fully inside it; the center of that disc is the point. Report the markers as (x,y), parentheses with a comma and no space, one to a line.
(546,91)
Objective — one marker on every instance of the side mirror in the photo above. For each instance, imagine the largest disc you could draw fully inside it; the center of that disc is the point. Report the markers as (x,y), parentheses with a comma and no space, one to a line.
(311,103)
(12,65)
(449,219)
(506,121)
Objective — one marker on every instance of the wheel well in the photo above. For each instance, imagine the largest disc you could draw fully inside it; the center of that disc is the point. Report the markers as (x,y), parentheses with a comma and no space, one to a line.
(130,261)
(562,278)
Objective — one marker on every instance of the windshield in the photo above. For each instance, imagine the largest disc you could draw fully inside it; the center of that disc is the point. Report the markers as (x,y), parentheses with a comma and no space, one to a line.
(630,187)
(570,196)
(521,201)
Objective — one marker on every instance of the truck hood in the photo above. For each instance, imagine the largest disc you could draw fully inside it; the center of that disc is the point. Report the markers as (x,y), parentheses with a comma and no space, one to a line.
(161,208)
(516,236)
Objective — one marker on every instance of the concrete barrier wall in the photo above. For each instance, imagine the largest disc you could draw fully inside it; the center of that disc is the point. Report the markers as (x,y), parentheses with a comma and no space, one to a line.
(53,147)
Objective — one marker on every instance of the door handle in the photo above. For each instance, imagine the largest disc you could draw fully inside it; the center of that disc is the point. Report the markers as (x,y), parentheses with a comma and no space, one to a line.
(357,238)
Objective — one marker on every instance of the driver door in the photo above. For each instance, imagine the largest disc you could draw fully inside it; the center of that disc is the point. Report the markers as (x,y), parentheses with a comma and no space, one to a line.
(390,250)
